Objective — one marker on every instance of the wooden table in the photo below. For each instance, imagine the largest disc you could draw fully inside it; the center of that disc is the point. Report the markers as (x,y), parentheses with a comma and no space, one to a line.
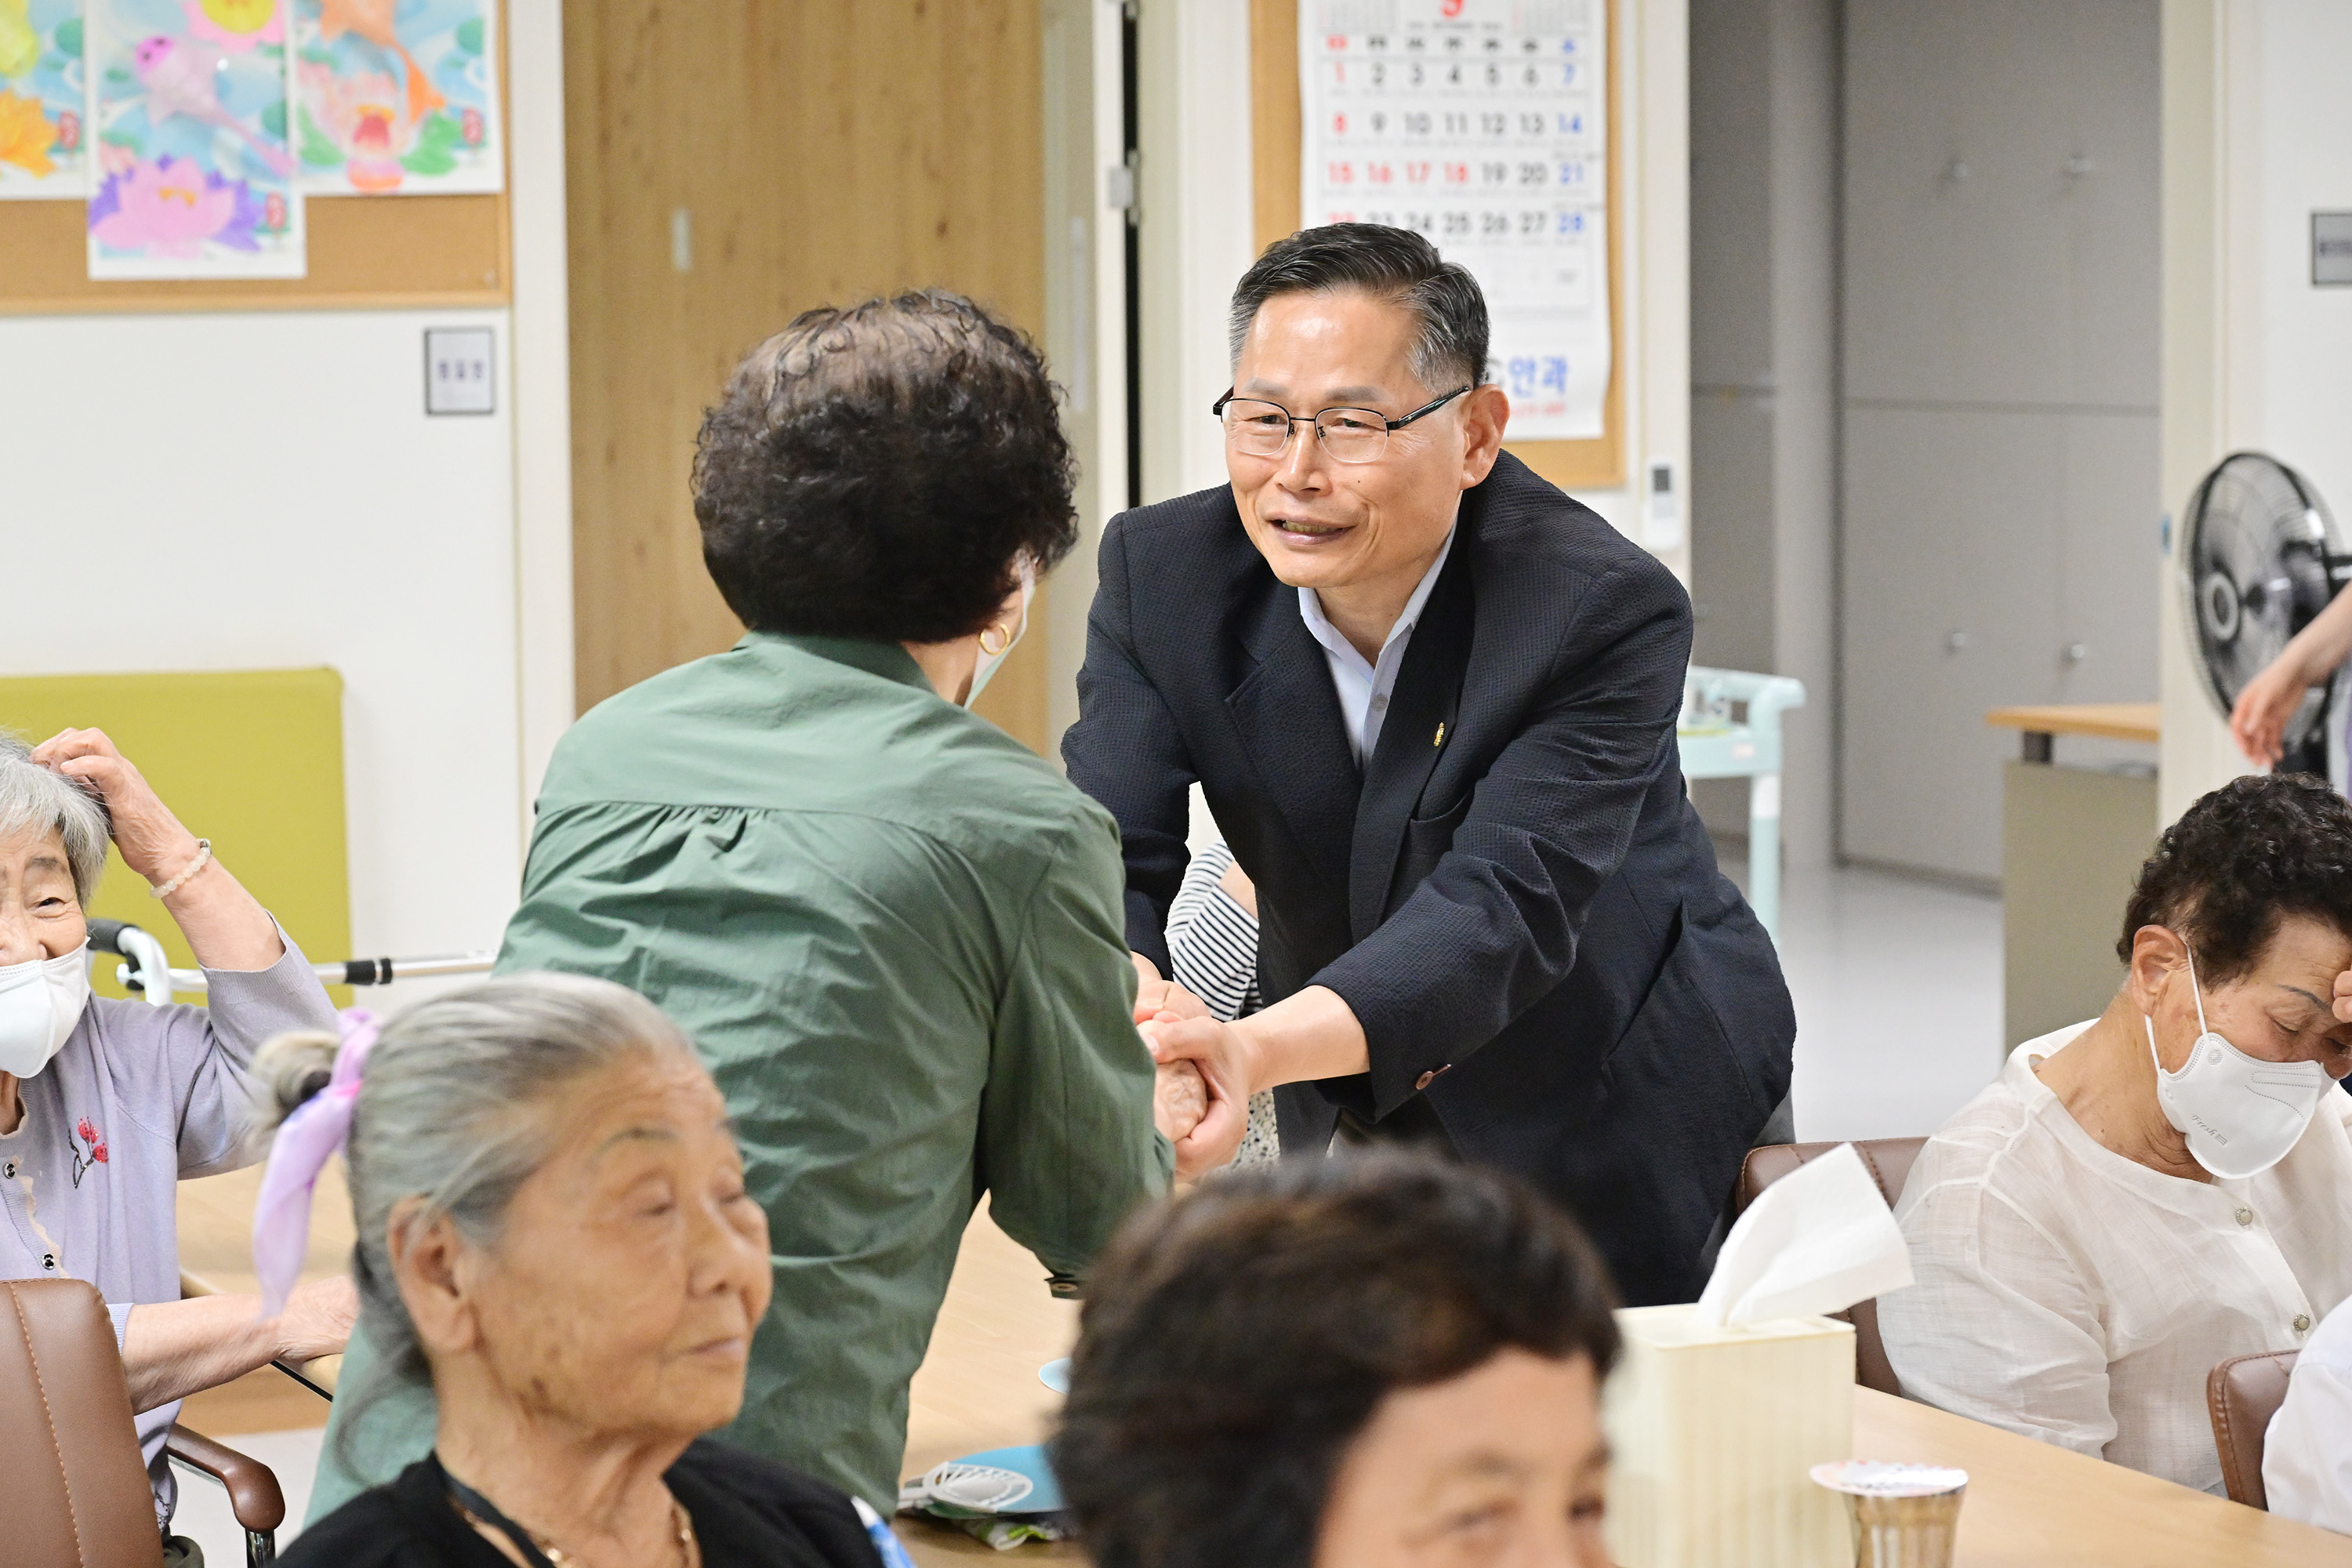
(2029,1503)
(2072,841)
(2107,720)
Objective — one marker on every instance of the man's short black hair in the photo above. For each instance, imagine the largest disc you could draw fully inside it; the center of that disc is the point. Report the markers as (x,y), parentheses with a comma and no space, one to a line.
(1234,1343)
(2255,851)
(881,471)
(1393,263)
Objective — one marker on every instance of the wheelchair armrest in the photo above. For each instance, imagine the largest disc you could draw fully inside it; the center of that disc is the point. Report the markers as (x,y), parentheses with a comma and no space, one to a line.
(253,1494)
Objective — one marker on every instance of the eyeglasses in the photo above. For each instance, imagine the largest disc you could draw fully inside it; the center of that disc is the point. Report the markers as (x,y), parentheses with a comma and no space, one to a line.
(1348,435)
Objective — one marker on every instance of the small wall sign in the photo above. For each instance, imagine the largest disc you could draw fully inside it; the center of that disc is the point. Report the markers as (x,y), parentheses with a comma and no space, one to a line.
(2331,249)
(458,371)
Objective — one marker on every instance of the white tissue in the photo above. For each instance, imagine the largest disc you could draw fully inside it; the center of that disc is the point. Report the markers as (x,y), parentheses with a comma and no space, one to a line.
(1816,1241)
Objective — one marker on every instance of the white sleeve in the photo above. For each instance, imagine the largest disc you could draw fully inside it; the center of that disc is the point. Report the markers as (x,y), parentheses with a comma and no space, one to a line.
(1999,1326)
(2307,1456)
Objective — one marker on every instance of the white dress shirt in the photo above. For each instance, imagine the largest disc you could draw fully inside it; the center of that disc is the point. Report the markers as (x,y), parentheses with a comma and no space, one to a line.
(1363,688)
(2307,1454)
(2069,1294)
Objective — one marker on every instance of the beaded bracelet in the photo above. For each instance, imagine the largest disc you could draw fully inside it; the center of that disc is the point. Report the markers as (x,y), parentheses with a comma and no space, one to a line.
(204,853)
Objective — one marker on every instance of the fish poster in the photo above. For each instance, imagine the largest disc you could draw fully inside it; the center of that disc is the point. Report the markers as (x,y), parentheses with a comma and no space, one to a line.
(42,148)
(396,97)
(188,110)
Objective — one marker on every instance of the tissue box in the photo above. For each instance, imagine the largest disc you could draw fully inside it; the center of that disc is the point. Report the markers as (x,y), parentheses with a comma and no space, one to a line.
(1713,1431)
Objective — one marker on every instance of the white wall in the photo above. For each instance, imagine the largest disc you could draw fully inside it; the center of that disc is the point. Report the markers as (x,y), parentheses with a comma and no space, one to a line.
(301,509)
(2258,134)
(1763,490)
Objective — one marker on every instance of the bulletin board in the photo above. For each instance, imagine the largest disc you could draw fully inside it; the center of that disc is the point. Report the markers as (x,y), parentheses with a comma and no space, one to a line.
(1597,464)
(365,253)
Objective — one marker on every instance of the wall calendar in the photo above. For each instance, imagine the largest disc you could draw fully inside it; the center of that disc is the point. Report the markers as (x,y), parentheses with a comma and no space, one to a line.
(1482,125)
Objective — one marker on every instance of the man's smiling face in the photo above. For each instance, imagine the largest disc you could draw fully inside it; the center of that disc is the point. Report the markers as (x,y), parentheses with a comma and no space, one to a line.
(1323,524)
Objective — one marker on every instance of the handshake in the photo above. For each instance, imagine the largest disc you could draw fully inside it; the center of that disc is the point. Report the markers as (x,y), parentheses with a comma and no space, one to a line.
(1200,1097)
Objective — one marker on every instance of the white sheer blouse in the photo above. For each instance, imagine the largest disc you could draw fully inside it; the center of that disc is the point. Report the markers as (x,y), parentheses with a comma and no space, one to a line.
(2069,1294)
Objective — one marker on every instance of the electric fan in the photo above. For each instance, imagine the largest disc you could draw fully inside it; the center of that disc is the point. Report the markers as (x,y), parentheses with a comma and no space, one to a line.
(2259,558)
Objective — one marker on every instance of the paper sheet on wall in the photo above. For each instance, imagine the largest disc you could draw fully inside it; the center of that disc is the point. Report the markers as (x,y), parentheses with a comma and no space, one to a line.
(397,97)
(41,100)
(188,116)
(1482,124)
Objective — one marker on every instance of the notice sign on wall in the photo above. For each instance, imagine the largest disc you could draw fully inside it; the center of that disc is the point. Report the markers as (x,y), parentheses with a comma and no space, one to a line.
(1482,124)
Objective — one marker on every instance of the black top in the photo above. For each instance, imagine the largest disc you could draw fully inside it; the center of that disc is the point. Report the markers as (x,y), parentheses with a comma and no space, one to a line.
(748,1512)
(1512,894)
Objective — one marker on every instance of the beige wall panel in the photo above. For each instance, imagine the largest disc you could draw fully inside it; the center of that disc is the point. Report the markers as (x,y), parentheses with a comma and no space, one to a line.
(822,153)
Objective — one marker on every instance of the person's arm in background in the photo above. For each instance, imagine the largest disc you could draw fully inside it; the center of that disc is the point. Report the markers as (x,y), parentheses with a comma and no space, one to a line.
(259,983)
(226,928)
(2258,722)
(1497,924)
(1125,753)
(1067,1141)
(173,1349)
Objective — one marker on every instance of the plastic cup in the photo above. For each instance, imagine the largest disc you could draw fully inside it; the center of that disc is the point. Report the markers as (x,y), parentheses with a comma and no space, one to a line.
(1904,1516)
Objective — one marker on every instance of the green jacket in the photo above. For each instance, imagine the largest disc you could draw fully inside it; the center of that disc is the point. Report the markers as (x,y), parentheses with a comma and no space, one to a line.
(896,937)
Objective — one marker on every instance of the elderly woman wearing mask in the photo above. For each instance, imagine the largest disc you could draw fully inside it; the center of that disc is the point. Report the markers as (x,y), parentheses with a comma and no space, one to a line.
(553,1230)
(105,1105)
(2141,1196)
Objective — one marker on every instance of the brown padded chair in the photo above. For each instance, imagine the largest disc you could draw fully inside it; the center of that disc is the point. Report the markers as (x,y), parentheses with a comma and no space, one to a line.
(76,1493)
(1888,1161)
(2242,1394)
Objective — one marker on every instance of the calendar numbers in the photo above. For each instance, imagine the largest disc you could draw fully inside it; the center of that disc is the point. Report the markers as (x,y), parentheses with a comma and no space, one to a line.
(1480,124)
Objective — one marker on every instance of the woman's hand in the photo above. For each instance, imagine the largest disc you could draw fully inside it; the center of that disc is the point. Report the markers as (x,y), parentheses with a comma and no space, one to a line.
(2258,722)
(152,842)
(318,1318)
(1179,1099)
(224,927)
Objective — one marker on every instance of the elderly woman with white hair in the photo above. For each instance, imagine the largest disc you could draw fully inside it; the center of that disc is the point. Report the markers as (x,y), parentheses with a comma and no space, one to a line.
(105,1105)
(553,1233)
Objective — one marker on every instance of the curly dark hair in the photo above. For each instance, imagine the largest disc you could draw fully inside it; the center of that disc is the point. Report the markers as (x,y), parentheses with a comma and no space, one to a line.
(2239,860)
(880,472)
(1234,1341)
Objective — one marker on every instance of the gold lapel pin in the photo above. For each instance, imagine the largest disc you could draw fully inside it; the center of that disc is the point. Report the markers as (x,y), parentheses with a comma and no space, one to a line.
(1441,734)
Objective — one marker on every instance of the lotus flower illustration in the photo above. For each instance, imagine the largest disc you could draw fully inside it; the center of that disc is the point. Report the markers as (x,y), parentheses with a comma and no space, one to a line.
(171,207)
(365,115)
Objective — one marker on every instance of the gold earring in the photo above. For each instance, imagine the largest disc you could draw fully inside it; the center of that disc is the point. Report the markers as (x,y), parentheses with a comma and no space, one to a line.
(1005,642)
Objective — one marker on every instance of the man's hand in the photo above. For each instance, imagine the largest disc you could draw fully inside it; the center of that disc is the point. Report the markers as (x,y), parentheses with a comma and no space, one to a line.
(1226,1061)
(1154,996)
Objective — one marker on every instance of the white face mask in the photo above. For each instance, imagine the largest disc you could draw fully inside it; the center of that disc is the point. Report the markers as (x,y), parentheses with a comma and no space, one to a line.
(2241,1114)
(40,1003)
(989,663)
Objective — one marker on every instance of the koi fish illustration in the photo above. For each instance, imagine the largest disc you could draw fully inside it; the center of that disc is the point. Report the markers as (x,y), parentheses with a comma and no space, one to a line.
(372,20)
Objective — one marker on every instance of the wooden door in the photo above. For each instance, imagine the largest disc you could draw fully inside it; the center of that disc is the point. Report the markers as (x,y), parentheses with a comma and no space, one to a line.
(730,164)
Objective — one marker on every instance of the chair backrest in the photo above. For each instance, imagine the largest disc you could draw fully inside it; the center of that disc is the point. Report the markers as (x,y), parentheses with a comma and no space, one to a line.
(1888,1161)
(74,1493)
(2242,1394)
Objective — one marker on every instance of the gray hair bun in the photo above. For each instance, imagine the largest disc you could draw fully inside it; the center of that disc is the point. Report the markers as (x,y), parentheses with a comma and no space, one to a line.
(290,1069)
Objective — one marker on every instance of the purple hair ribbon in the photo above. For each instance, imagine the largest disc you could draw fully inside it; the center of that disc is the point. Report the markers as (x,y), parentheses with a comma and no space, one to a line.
(305,1141)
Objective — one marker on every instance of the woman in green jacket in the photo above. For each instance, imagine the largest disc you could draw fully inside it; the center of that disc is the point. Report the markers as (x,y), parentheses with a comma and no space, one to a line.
(894,934)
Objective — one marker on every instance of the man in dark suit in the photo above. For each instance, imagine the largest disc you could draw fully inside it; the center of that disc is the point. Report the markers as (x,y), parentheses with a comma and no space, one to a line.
(1431,702)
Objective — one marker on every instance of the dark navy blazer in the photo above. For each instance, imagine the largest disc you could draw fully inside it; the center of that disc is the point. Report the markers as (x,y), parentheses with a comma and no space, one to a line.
(1513,895)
